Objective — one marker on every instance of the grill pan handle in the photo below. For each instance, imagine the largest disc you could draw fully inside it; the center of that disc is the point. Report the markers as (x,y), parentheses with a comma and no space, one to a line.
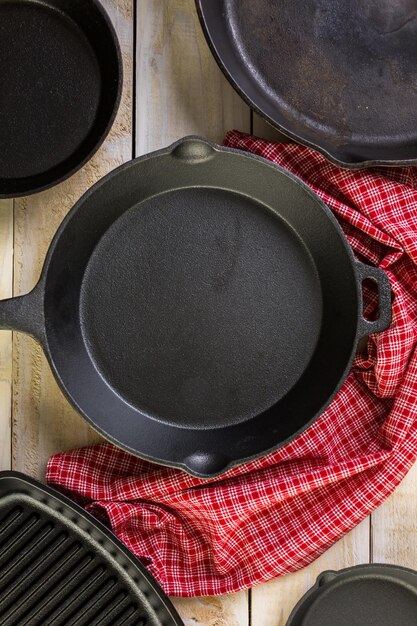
(24,313)
(365,326)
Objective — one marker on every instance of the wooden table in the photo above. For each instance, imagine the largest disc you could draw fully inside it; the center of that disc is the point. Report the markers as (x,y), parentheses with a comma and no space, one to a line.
(172,87)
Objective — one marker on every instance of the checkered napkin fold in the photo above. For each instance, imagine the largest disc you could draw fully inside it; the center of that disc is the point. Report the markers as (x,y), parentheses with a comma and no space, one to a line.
(278,513)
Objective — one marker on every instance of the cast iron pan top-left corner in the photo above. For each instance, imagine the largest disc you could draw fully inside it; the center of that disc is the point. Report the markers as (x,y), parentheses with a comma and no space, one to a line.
(61,80)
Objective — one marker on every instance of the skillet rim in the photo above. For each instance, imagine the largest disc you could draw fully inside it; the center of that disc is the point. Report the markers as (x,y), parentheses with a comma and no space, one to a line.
(350,165)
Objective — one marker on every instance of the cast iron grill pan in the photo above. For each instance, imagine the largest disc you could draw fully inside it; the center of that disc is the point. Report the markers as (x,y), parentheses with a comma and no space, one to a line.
(336,75)
(365,595)
(59,567)
(60,71)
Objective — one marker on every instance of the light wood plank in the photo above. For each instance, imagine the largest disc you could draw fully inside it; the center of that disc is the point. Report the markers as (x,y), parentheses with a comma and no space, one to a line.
(231,610)
(394,526)
(179,88)
(6,287)
(273,602)
(43,421)
(180,91)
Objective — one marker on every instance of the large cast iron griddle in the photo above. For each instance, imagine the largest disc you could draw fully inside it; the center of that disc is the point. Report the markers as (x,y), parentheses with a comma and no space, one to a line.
(199,306)
(60,76)
(337,75)
(365,595)
(61,567)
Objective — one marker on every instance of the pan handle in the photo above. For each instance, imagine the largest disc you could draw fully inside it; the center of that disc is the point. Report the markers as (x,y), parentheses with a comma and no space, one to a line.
(367,327)
(25,313)
(193,149)
(206,464)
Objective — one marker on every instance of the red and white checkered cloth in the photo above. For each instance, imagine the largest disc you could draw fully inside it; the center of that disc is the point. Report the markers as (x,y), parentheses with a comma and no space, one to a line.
(278,513)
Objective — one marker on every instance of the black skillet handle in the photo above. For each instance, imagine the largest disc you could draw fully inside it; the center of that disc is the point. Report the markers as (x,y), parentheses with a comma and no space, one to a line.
(24,313)
(193,149)
(366,327)
(206,464)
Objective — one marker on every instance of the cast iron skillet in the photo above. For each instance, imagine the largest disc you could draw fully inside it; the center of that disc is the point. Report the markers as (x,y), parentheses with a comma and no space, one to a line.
(61,81)
(337,75)
(364,595)
(199,306)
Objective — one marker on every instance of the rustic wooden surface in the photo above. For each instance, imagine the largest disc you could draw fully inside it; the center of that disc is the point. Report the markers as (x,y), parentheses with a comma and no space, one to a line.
(6,291)
(178,90)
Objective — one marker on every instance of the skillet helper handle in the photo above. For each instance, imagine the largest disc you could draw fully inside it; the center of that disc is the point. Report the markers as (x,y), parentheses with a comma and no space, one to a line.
(365,326)
(24,314)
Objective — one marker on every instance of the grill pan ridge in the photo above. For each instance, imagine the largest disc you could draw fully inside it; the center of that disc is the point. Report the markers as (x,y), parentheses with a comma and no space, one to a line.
(60,567)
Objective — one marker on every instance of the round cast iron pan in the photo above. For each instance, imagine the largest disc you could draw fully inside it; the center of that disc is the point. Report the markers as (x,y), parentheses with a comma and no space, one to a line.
(199,306)
(365,595)
(61,77)
(61,567)
(337,75)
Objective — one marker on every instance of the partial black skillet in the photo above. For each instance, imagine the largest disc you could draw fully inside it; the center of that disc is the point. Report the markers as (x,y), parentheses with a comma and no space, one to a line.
(364,595)
(199,306)
(337,75)
(61,81)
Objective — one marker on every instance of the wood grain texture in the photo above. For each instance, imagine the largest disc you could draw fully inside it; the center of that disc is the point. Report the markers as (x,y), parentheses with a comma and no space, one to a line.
(179,88)
(180,91)
(394,526)
(6,288)
(231,610)
(43,421)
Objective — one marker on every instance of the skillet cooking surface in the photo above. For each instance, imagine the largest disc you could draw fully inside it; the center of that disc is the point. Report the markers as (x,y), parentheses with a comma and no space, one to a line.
(59,76)
(206,327)
(337,75)
(359,603)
